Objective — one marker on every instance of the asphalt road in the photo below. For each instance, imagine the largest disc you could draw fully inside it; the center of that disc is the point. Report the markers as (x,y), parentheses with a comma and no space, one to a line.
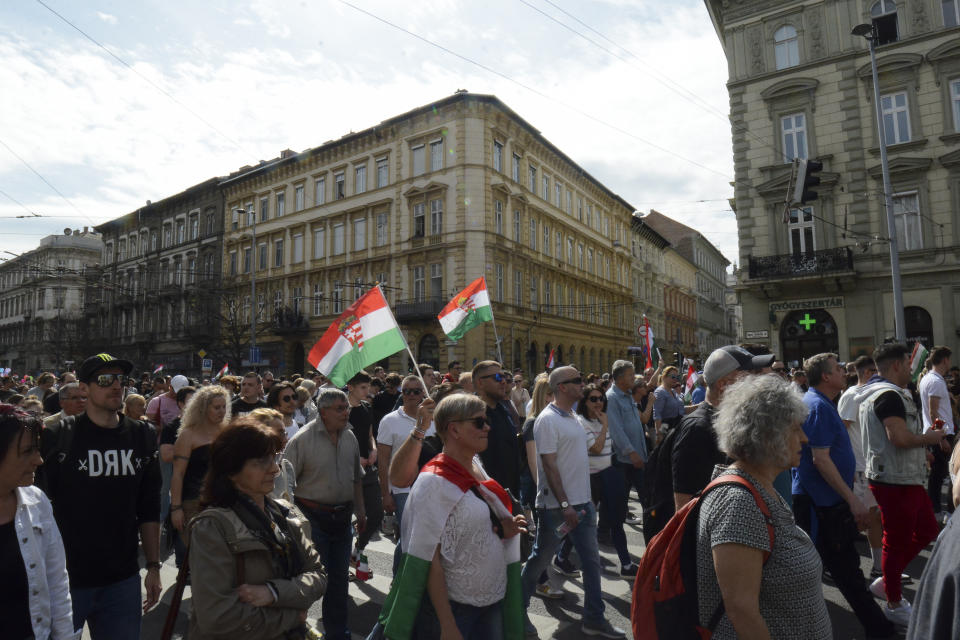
(554,618)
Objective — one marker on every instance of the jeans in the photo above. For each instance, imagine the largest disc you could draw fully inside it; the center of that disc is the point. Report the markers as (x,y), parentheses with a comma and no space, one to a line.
(333,544)
(474,623)
(584,538)
(836,533)
(908,527)
(399,500)
(112,611)
(608,488)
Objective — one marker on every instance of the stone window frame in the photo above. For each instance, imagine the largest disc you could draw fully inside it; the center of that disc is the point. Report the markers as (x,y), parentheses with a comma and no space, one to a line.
(945,60)
(897,72)
(790,97)
(907,175)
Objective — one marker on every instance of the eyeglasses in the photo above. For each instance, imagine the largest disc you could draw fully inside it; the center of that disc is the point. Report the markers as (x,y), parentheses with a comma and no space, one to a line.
(412,392)
(595,399)
(107,379)
(499,377)
(478,422)
(573,381)
(267,462)
(286,398)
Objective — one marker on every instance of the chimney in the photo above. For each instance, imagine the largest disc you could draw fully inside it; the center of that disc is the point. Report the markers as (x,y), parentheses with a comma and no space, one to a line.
(287,153)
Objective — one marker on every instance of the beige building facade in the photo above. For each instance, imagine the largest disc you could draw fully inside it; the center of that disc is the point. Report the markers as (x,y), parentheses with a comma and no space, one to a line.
(424,203)
(817,278)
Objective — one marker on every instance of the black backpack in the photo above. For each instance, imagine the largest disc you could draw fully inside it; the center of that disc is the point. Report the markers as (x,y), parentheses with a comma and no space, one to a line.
(657,499)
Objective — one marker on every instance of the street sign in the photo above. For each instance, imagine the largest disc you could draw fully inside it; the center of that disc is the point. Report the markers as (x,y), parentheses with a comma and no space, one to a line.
(642,331)
(206,365)
(254,355)
(202,353)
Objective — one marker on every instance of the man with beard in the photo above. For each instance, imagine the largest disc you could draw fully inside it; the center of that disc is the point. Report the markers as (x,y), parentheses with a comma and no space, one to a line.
(502,457)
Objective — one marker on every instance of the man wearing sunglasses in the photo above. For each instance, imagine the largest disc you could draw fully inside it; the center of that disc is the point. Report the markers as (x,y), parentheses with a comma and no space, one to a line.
(283,398)
(502,457)
(102,474)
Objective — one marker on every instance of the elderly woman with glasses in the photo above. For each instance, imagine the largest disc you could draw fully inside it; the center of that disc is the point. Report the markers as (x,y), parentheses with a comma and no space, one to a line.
(257,571)
(759,567)
(461,550)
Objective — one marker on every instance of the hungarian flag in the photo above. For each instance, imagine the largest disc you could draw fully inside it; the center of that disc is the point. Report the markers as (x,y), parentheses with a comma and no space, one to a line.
(442,483)
(224,371)
(550,359)
(648,335)
(363,334)
(469,308)
(917,359)
(158,369)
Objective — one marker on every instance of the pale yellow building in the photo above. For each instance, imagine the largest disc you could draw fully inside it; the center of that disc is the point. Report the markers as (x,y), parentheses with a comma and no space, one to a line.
(423,203)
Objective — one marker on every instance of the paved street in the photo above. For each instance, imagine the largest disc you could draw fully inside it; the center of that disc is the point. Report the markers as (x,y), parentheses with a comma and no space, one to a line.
(554,619)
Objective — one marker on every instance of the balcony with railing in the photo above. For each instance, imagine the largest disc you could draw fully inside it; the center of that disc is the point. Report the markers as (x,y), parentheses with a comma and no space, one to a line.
(423,309)
(816,263)
(287,322)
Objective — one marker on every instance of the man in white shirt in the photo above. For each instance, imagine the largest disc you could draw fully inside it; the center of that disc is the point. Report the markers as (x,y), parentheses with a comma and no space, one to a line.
(395,427)
(935,400)
(563,498)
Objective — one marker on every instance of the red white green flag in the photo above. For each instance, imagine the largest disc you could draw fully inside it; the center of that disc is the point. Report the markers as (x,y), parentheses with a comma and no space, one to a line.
(363,334)
(223,371)
(468,309)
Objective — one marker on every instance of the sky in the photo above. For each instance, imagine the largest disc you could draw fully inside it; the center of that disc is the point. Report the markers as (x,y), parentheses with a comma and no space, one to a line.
(157,95)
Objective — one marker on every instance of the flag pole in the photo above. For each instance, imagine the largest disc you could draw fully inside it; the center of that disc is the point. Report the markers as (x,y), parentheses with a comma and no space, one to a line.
(416,366)
(493,319)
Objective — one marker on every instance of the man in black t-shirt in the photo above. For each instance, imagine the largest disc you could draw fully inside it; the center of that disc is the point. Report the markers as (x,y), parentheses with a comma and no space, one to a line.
(501,458)
(384,401)
(361,423)
(102,475)
(251,395)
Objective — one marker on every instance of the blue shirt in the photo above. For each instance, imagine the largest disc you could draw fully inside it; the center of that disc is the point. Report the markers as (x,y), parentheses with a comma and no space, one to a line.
(699,395)
(824,429)
(624,425)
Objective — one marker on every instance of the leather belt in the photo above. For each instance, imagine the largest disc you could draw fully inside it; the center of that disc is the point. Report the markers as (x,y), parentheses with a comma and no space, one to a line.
(328,508)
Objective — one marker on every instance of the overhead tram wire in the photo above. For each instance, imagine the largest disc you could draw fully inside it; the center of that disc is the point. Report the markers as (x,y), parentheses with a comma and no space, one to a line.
(45,181)
(537,92)
(33,214)
(671,85)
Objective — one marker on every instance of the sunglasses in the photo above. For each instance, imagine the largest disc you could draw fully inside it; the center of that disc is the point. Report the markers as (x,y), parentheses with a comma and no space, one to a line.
(499,377)
(479,423)
(412,392)
(674,377)
(573,381)
(107,379)
(595,399)
(286,398)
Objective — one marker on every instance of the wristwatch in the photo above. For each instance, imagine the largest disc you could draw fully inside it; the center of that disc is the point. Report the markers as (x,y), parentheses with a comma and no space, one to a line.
(564,504)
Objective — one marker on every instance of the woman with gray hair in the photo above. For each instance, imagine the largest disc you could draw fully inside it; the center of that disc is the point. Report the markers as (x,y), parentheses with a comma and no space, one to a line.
(760,587)
(461,553)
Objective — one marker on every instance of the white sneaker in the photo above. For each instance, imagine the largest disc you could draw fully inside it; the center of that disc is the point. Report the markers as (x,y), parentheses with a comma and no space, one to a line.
(899,616)
(549,593)
(877,589)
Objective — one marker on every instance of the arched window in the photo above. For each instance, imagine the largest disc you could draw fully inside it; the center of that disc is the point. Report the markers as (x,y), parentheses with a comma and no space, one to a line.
(919,326)
(786,47)
(429,350)
(884,18)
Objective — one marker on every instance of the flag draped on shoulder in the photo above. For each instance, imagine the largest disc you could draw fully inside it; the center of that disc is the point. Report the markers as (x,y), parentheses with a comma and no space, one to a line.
(917,359)
(363,334)
(468,309)
(441,484)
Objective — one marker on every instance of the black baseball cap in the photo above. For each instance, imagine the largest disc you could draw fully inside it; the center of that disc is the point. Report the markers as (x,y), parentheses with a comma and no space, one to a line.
(93,364)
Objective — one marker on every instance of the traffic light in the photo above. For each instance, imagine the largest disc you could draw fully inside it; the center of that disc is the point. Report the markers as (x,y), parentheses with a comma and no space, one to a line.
(806,180)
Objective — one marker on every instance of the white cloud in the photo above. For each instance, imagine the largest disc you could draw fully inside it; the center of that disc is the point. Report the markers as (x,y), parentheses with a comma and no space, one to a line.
(106,17)
(275,75)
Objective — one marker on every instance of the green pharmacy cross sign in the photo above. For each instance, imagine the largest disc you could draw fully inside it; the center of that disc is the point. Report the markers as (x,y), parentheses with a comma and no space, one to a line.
(807,321)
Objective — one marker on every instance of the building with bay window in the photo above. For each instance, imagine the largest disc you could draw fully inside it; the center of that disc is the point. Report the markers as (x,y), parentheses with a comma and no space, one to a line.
(817,277)
(423,203)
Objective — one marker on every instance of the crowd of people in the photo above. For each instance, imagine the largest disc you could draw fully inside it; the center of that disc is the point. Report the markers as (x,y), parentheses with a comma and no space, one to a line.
(270,488)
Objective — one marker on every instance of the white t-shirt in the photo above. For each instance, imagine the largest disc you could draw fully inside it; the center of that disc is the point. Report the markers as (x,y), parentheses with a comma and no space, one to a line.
(849,409)
(557,431)
(933,384)
(602,460)
(394,429)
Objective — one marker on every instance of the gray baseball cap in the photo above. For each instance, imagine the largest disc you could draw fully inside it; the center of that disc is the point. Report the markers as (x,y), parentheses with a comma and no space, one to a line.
(732,358)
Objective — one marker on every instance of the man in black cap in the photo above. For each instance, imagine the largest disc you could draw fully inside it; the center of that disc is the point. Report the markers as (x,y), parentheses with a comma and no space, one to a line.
(102,474)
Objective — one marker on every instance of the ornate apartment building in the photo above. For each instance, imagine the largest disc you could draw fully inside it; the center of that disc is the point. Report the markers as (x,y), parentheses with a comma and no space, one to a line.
(41,302)
(423,203)
(680,306)
(155,298)
(817,278)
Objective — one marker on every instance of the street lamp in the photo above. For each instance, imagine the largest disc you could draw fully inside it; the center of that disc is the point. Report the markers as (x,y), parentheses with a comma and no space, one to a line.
(253,283)
(869,32)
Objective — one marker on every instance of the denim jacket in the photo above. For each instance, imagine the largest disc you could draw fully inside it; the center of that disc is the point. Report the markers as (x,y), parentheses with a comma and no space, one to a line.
(625,426)
(41,547)
(886,462)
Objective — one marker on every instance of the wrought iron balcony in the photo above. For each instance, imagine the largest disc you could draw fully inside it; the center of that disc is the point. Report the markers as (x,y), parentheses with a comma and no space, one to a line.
(286,321)
(798,265)
(425,309)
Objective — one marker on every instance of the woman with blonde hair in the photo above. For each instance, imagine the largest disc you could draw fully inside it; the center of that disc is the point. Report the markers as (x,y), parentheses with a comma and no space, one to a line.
(204,416)
(668,406)
(285,483)
(134,406)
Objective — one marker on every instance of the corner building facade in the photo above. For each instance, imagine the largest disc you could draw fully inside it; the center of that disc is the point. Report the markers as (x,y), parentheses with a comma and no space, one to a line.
(423,204)
(817,278)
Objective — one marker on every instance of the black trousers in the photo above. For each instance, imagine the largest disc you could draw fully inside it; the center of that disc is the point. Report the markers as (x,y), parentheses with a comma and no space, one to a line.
(836,533)
(939,471)
(372,504)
